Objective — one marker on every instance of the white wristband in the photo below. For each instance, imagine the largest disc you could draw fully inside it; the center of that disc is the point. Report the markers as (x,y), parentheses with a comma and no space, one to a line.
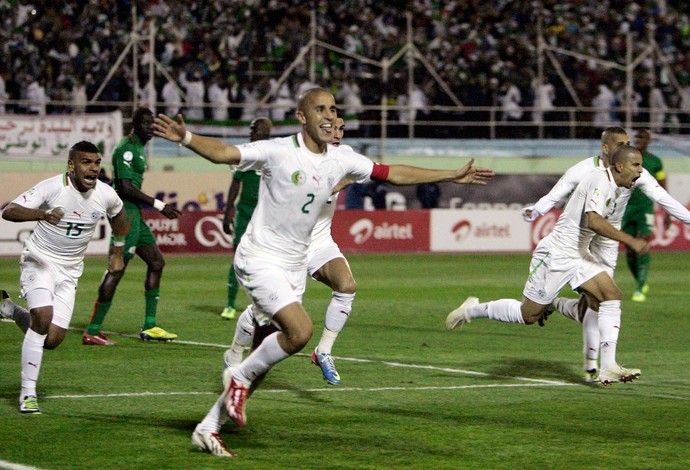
(187,139)
(158,204)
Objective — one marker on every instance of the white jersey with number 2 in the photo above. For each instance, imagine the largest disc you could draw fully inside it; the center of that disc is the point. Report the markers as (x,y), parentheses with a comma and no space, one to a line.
(295,186)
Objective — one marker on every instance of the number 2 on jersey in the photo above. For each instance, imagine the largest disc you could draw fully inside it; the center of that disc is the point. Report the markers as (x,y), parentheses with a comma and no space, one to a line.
(305,208)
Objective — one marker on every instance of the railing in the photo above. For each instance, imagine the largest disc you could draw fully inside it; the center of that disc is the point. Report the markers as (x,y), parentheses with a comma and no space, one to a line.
(432,121)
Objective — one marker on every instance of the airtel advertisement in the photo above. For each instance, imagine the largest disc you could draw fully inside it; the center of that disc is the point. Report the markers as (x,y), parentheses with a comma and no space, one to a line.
(359,231)
(479,230)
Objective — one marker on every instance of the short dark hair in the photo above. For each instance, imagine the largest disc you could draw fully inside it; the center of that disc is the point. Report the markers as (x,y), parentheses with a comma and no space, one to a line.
(306,97)
(82,147)
(622,153)
(339,112)
(139,115)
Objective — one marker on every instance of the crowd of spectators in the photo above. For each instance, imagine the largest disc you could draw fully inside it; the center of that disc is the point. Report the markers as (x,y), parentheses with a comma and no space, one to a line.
(224,56)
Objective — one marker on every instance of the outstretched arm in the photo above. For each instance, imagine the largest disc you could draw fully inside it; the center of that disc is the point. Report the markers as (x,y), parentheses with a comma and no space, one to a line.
(403,175)
(129,192)
(211,149)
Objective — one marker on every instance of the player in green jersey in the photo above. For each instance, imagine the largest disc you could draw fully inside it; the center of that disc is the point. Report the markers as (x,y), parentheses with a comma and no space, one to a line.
(638,219)
(129,164)
(246,184)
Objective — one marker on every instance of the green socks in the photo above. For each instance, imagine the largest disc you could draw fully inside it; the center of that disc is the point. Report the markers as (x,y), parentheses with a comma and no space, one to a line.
(152,296)
(100,310)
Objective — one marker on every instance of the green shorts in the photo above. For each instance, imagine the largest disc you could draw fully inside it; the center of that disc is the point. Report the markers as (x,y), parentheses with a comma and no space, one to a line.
(638,223)
(138,235)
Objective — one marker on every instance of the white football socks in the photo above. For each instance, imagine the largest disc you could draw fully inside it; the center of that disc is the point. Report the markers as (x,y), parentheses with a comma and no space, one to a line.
(268,354)
(32,357)
(568,307)
(216,417)
(337,313)
(505,310)
(244,332)
(590,339)
(609,328)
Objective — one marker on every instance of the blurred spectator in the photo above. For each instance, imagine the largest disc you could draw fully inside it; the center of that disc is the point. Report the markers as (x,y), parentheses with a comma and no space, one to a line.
(3,89)
(415,102)
(36,96)
(511,110)
(428,195)
(658,106)
(470,45)
(218,97)
(544,97)
(605,100)
(282,102)
(684,116)
(348,96)
(195,91)
(354,196)
(378,191)
(172,98)
(78,97)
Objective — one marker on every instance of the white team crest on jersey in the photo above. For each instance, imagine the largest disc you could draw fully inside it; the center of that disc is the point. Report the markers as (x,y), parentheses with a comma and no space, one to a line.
(95,216)
(298,178)
(128,157)
(596,192)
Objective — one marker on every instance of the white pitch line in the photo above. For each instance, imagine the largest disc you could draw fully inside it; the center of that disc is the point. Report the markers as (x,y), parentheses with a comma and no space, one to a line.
(536,382)
(16,466)
(388,363)
(313,390)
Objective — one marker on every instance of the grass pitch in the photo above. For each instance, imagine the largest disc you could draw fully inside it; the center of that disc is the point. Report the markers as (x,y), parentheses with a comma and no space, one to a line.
(490,395)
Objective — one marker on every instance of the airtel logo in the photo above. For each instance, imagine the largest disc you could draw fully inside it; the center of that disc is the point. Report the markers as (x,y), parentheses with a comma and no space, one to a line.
(364,229)
(212,235)
(462,230)
(361,230)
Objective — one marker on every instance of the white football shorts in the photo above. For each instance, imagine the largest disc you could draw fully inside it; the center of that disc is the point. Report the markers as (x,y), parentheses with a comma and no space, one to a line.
(270,286)
(549,273)
(38,272)
(318,256)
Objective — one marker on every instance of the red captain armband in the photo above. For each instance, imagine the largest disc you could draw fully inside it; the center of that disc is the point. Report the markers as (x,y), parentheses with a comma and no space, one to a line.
(380,172)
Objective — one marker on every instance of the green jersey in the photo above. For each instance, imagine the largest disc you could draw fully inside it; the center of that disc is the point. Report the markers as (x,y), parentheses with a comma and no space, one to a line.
(130,163)
(638,201)
(249,194)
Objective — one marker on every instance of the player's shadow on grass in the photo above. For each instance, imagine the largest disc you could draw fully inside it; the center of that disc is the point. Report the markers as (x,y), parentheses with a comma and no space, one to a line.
(536,369)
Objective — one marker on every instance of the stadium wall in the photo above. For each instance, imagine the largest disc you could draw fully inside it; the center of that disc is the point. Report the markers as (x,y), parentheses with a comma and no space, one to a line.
(360,231)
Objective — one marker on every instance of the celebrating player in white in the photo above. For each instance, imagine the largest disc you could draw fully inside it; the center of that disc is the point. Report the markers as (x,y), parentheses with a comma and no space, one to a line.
(605,250)
(563,257)
(68,208)
(299,174)
(326,264)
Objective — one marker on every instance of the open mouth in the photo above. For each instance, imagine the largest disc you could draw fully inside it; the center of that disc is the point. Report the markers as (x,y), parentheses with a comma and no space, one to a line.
(327,128)
(90,180)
